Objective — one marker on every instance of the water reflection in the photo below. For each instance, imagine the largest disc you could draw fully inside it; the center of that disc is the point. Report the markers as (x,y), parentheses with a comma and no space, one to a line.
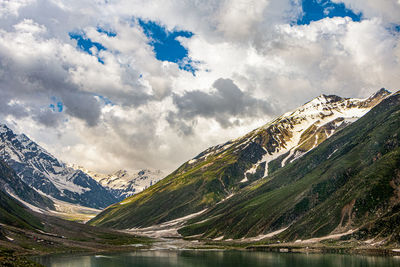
(192,258)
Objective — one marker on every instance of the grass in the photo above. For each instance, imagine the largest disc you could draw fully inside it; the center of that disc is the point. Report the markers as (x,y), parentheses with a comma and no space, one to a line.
(191,188)
(345,182)
(311,193)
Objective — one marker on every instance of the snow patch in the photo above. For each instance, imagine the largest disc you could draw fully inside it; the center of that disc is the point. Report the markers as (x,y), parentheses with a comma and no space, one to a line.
(330,155)
(334,236)
(71,211)
(192,161)
(252,170)
(260,237)
(228,197)
(126,183)
(26,204)
(288,157)
(166,229)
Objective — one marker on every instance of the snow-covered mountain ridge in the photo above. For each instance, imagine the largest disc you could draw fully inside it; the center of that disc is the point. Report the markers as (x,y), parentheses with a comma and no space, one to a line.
(221,172)
(125,183)
(46,174)
(293,134)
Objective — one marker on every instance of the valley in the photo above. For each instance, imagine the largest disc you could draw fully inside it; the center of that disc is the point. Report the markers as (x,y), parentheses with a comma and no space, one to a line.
(321,178)
(199,133)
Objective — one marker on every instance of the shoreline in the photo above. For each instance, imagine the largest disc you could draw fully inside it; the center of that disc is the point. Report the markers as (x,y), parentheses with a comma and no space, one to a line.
(284,249)
(179,245)
(386,252)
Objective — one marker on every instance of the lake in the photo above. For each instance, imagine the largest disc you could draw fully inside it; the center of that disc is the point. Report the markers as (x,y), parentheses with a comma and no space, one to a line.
(193,258)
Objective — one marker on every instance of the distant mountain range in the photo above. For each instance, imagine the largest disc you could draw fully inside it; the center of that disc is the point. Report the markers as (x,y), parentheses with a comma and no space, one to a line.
(46,174)
(123,183)
(50,177)
(330,166)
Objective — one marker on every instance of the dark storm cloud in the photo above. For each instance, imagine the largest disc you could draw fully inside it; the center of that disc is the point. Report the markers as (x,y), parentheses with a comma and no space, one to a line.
(224,103)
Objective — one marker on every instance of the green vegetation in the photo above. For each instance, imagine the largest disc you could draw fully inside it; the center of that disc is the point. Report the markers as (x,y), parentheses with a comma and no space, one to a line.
(10,180)
(13,213)
(8,259)
(193,187)
(350,179)
(61,236)
(23,231)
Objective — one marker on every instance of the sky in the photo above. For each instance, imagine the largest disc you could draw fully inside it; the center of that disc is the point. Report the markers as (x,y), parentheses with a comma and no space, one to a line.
(133,84)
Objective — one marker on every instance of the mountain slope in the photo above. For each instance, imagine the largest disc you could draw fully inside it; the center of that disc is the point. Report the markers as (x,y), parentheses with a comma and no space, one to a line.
(350,182)
(11,184)
(12,212)
(123,183)
(24,231)
(15,214)
(221,171)
(43,172)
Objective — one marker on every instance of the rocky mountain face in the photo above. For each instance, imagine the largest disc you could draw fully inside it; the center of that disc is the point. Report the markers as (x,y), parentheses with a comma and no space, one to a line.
(349,185)
(11,184)
(46,174)
(13,212)
(222,171)
(123,183)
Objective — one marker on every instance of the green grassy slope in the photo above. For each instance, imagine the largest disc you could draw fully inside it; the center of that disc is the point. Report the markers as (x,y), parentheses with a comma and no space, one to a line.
(349,180)
(210,177)
(220,171)
(13,213)
(191,188)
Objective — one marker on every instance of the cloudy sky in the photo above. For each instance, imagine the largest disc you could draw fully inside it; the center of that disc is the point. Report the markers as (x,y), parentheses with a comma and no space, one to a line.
(133,84)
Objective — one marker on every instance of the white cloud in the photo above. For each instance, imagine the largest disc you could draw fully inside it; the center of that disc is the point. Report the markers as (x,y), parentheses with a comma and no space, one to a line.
(387,10)
(253,44)
(11,7)
(239,19)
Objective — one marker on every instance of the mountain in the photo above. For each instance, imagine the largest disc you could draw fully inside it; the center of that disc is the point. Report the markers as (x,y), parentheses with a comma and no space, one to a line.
(46,174)
(11,184)
(123,183)
(348,185)
(27,231)
(13,212)
(221,171)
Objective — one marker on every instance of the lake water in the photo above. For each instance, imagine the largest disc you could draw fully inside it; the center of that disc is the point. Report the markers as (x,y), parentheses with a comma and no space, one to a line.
(192,258)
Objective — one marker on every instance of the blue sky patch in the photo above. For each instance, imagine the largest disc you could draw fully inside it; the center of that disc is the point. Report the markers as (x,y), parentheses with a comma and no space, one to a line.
(56,107)
(166,46)
(394,29)
(314,10)
(109,33)
(85,44)
(105,100)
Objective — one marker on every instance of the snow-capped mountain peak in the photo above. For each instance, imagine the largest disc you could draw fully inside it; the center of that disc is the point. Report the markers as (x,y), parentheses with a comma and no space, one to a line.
(45,173)
(124,183)
(303,129)
(296,132)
